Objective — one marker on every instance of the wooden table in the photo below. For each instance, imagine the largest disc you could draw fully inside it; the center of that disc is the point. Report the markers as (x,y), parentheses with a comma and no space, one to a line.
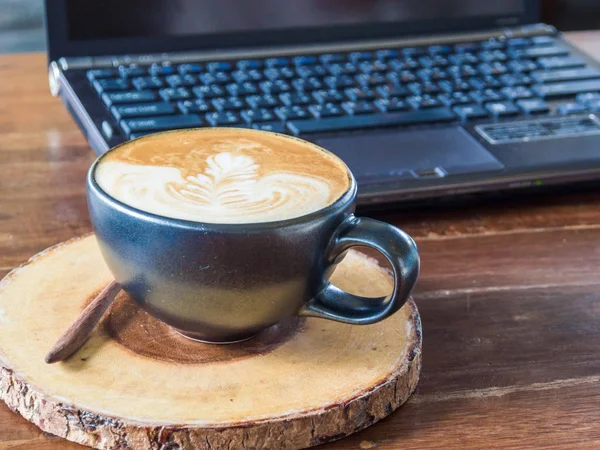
(509,292)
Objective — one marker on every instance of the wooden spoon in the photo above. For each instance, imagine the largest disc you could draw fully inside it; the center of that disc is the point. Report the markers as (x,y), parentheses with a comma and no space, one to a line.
(81,329)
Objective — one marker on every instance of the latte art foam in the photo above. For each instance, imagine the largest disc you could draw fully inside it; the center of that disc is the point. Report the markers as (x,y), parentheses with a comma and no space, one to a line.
(242,177)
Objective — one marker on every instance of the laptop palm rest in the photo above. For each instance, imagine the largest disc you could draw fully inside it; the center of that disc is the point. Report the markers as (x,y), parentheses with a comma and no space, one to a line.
(395,155)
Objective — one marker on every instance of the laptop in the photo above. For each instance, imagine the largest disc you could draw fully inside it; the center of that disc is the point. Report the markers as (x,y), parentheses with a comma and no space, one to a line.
(423,99)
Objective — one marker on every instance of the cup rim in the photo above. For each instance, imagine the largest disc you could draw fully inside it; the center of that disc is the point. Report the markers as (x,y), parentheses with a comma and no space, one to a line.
(345,198)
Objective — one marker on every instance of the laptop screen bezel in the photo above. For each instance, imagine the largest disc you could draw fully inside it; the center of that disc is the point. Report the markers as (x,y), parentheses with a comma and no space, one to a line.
(59,44)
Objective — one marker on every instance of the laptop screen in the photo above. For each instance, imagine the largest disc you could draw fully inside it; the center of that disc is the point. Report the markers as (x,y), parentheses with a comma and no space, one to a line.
(125,27)
(113,19)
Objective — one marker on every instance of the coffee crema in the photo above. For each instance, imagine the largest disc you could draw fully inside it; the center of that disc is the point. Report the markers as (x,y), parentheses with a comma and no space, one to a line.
(223,176)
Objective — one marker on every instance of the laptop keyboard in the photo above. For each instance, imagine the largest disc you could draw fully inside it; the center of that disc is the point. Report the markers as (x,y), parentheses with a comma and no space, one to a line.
(343,91)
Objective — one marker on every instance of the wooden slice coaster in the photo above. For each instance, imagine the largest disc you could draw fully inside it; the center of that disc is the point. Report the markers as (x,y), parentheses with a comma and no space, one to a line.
(137,384)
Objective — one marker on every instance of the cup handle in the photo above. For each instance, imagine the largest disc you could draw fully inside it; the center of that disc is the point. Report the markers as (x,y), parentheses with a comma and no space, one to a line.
(399,249)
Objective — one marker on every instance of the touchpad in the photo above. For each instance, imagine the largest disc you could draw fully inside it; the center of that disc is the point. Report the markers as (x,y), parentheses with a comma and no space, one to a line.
(421,153)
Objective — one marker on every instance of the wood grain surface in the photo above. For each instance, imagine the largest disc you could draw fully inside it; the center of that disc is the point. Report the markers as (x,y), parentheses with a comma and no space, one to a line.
(137,384)
(509,294)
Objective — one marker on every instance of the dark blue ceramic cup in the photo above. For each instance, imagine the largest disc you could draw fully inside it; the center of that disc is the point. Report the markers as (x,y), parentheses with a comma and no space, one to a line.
(226,282)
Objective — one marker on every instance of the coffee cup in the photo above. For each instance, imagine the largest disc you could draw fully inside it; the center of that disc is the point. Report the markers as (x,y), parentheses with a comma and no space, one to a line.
(222,233)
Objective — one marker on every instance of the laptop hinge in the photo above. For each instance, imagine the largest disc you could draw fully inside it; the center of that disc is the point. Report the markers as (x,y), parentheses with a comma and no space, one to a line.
(183,57)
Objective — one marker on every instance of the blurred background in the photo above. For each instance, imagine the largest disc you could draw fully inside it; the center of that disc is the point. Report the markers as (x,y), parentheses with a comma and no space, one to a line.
(22,24)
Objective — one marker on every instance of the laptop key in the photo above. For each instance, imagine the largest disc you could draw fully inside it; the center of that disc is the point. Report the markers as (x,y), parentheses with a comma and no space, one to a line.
(391,91)
(369,80)
(184,69)
(325,110)
(439,49)
(570,108)
(356,94)
(424,88)
(450,86)
(369,67)
(492,82)
(142,83)
(558,62)
(517,92)
(251,116)
(211,91)
(477,84)
(173,94)
(456,98)
(487,95)
(433,61)
(492,55)
(295,98)
(328,96)
(361,107)
(181,80)
(423,101)
(311,71)
(133,71)
(118,98)
(246,64)
(543,40)
(339,82)
(533,106)
(219,66)
(501,109)
(566,89)
(223,118)
(360,56)
(518,42)
(413,51)
(515,79)
(142,109)
(523,65)
(539,52)
(283,73)
(242,76)
(158,69)
(276,127)
(472,111)
(392,104)
(228,104)
(160,123)
(386,54)
(440,61)
(111,84)
(493,44)
(304,60)
(433,74)
(277,62)
(404,76)
(549,76)
(588,97)
(307,84)
(215,78)
(593,106)
(292,112)
(461,59)
(466,47)
(195,106)
(366,121)
(261,101)
(332,58)
(242,89)
(221,77)
(96,74)
(347,68)
(275,87)
(493,68)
